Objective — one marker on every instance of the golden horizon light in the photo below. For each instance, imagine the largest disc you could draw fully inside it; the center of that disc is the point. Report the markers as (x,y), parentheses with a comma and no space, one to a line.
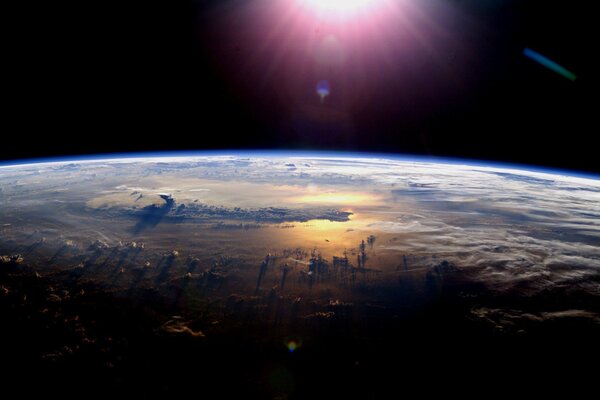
(338,198)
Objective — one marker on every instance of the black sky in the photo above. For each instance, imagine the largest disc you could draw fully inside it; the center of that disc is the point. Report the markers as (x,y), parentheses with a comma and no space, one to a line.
(119,76)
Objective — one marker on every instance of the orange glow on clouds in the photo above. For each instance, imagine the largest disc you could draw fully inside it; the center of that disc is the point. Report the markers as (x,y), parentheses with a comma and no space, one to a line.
(341,199)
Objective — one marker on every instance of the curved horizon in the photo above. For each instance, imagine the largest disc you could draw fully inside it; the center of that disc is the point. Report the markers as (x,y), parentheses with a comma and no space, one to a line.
(474,162)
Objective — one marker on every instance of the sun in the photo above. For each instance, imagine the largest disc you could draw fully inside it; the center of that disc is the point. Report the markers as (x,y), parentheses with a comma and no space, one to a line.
(340,6)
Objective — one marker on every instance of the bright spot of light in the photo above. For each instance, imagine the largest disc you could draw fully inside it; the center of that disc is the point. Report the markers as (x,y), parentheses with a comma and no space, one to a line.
(339,5)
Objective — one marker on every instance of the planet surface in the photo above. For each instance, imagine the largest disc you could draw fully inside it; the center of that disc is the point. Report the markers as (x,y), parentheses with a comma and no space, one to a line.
(294,275)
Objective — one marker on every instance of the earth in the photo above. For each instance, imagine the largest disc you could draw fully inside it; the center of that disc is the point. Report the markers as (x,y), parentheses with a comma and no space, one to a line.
(295,275)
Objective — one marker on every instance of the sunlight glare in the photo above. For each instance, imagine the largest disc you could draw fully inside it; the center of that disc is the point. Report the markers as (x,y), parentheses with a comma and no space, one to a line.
(339,6)
(337,198)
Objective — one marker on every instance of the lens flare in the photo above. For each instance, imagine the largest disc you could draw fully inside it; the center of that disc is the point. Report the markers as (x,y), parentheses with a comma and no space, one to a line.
(323,89)
(548,63)
(292,345)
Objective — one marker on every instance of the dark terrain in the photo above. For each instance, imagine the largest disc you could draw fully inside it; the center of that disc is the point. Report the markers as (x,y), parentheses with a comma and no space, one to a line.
(67,338)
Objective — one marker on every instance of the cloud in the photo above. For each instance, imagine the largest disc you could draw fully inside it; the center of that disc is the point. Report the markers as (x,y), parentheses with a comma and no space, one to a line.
(514,320)
(178,326)
(11,259)
(321,315)
(150,216)
(515,229)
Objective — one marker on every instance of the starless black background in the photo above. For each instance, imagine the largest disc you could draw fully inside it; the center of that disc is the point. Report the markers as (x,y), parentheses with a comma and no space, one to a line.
(88,77)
